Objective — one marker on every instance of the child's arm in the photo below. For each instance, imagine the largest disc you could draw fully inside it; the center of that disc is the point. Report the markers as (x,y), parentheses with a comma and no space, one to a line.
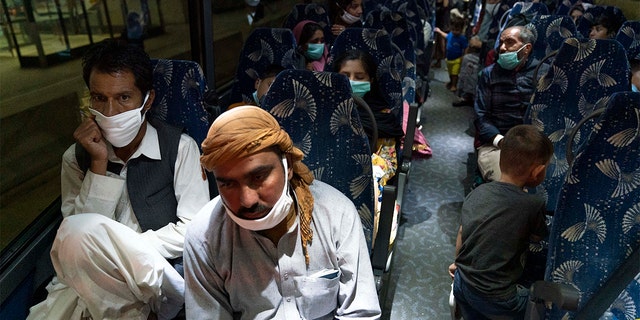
(440,32)
(453,267)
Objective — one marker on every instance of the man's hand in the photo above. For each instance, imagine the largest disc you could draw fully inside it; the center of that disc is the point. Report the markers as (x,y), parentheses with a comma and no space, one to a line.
(452,270)
(89,136)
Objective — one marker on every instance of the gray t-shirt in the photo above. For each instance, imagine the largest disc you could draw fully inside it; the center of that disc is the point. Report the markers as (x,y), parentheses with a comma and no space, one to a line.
(497,221)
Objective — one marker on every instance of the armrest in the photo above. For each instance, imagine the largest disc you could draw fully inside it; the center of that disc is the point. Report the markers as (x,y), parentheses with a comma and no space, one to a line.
(380,253)
(543,294)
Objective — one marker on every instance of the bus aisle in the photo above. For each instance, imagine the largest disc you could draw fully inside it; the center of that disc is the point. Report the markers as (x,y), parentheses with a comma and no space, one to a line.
(425,245)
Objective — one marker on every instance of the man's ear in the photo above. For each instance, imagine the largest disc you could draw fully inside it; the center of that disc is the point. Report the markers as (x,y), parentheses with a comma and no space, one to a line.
(290,166)
(256,84)
(152,95)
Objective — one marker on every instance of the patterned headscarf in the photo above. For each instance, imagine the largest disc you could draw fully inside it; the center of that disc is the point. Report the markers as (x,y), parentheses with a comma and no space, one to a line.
(243,131)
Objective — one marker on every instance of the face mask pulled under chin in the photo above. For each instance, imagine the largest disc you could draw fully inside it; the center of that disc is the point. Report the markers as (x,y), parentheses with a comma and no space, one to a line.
(121,128)
(349,18)
(279,211)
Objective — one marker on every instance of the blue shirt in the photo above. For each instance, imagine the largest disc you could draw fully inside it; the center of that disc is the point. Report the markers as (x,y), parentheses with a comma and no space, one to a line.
(456,46)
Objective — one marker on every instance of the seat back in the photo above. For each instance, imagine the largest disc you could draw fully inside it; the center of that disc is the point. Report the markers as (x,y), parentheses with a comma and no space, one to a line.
(551,31)
(390,63)
(403,36)
(629,37)
(317,111)
(584,74)
(311,11)
(180,87)
(596,226)
(528,11)
(263,47)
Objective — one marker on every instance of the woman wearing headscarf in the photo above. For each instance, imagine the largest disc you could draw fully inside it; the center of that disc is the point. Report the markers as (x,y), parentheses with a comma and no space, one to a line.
(312,47)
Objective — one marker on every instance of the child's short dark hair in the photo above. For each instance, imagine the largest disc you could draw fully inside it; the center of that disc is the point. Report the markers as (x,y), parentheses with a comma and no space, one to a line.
(272,70)
(522,147)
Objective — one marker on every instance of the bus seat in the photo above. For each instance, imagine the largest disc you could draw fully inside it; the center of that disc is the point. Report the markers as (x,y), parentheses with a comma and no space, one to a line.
(263,47)
(404,37)
(311,11)
(416,18)
(180,87)
(581,78)
(583,25)
(629,37)
(594,247)
(530,10)
(317,111)
(550,31)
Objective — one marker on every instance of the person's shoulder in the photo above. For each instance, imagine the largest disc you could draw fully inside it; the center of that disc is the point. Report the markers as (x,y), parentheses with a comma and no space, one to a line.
(326,195)
(210,216)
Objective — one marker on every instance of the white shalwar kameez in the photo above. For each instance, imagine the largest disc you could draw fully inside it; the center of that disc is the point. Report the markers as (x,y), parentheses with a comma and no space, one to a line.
(106,268)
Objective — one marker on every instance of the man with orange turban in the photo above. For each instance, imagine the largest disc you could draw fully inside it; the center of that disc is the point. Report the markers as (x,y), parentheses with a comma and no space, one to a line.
(275,243)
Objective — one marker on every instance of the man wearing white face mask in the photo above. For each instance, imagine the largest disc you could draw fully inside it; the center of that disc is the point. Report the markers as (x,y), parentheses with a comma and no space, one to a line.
(129,187)
(502,97)
(276,244)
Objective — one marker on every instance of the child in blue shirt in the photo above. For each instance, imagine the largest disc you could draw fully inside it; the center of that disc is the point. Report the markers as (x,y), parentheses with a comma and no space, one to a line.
(457,43)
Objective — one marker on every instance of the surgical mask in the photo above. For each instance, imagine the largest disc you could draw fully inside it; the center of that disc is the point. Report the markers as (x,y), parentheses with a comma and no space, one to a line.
(279,211)
(315,50)
(509,60)
(360,88)
(255,98)
(634,88)
(121,128)
(349,18)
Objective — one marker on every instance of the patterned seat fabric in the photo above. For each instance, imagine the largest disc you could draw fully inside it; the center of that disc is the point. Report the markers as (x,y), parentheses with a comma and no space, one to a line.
(390,63)
(629,37)
(403,36)
(415,17)
(180,86)
(597,223)
(583,76)
(314,12)
(317,111)
(263,47)
(551,31)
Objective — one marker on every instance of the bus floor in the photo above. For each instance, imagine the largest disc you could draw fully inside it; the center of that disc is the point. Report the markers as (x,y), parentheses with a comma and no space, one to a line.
(420,283)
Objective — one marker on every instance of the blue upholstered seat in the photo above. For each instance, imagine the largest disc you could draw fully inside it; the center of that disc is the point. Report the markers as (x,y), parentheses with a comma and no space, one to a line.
(583,76)
(180,86)
(318,112)
(551,31)
(596,225)
(404,37)
(629,37)
(263,47)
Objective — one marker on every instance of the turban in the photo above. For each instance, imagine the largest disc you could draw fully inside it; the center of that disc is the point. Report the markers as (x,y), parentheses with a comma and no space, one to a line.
(246,130)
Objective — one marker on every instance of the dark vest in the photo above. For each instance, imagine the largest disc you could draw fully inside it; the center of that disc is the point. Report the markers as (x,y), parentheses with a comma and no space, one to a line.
(149,181)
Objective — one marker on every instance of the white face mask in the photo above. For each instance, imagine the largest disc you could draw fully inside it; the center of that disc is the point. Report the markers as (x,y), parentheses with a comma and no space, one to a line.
(279,211)
(349,18)
(121,128)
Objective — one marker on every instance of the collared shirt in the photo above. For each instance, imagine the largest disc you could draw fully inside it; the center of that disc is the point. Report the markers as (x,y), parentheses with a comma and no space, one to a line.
(107,195)
(502,98)
(234,273)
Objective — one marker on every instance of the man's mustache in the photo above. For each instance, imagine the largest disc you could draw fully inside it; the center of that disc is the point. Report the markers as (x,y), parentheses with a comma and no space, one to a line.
(253,209)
